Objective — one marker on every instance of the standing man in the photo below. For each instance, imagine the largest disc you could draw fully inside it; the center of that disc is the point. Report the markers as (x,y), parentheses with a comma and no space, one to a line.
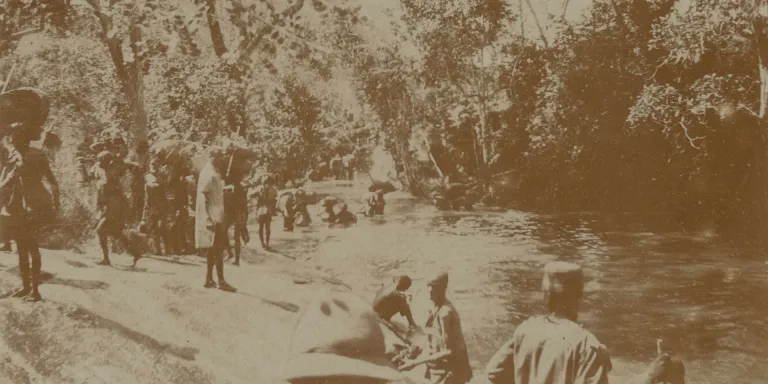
(266,203)
(553,348)
(210,233)
(25,201)
(391,300)
(112,206)
(448,359)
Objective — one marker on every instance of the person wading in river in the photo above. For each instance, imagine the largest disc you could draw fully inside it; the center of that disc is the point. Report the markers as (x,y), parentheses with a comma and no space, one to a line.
(338,340)
(391,300)
(553,348)
(210,233)
(26,203)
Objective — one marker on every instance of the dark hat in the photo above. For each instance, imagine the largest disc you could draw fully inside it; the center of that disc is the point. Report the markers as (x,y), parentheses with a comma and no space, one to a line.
(439,281)
(339,335)
(560,277)
(23,105)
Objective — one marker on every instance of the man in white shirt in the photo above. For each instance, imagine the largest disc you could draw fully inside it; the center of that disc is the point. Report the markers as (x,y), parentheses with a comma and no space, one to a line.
(210,233)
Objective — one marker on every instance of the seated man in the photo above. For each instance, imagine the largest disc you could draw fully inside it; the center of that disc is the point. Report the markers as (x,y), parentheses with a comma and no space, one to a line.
(391,300)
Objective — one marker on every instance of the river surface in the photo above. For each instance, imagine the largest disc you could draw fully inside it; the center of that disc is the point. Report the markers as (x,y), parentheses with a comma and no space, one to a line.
(647,277)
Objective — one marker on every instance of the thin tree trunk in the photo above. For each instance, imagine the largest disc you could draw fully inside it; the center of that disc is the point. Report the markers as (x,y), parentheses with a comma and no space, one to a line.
(217,37)
(538,24)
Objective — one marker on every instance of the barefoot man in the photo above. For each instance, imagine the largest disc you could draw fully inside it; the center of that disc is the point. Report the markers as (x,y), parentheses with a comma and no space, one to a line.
(26,203)
(209,217)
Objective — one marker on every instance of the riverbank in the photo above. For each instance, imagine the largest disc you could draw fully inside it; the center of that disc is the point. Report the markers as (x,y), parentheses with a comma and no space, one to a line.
(152,324)
(157,324)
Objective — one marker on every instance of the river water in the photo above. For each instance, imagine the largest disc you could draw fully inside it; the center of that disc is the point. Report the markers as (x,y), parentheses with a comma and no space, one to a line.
(648,277)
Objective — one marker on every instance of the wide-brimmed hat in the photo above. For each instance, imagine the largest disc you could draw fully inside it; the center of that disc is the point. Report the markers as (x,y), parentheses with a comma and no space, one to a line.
(29,106)
(339,335)
(562,277)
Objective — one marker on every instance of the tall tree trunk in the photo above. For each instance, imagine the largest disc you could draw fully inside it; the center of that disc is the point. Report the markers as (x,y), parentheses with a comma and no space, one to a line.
(760,26)
(130,76)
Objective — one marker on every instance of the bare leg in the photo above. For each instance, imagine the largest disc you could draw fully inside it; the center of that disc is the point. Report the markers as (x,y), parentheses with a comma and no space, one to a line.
(219,260)
(261,233)
(34,252)
(104,243)
(23,251)
(211,260)
(268,231)
(238,245)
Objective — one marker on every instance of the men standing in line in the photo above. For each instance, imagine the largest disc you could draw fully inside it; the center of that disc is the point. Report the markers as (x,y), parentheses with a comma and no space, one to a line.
(25,200)
(553,348)
(210,233)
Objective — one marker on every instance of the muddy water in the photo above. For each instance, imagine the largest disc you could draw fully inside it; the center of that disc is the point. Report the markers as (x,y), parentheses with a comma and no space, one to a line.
(648,277)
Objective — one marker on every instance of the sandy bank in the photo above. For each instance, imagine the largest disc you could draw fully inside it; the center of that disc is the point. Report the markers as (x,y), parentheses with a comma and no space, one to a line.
(152,324)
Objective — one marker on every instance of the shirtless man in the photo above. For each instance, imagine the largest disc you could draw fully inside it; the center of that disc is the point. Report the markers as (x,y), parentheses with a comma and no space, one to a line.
(112,205)
(391,300)
(26,201)
(266,203)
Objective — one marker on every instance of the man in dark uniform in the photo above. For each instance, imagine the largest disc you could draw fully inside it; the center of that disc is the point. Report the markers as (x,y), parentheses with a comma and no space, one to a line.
(25,202)
(553,348)
(391,300)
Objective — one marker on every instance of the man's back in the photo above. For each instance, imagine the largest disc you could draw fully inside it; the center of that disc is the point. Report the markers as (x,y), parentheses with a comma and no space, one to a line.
(550,350)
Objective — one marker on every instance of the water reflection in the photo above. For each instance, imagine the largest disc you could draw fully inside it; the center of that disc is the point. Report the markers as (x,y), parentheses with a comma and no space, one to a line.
(648,277)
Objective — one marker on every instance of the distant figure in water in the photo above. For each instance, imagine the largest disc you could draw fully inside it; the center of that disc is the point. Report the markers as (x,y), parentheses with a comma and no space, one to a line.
(391,300)
(328,215)
(344,216)
(375,203)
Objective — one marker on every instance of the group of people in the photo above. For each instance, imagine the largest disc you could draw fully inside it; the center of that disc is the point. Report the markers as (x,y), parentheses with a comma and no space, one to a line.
(340,339)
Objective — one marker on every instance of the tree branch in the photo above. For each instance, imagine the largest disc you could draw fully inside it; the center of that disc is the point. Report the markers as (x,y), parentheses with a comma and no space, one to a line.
(538,24)
(691,140)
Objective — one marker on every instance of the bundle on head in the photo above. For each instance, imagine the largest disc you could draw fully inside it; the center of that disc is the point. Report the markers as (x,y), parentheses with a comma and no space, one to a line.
(22,106)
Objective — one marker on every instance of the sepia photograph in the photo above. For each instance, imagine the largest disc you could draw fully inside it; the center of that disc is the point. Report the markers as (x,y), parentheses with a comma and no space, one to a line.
(383,191)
